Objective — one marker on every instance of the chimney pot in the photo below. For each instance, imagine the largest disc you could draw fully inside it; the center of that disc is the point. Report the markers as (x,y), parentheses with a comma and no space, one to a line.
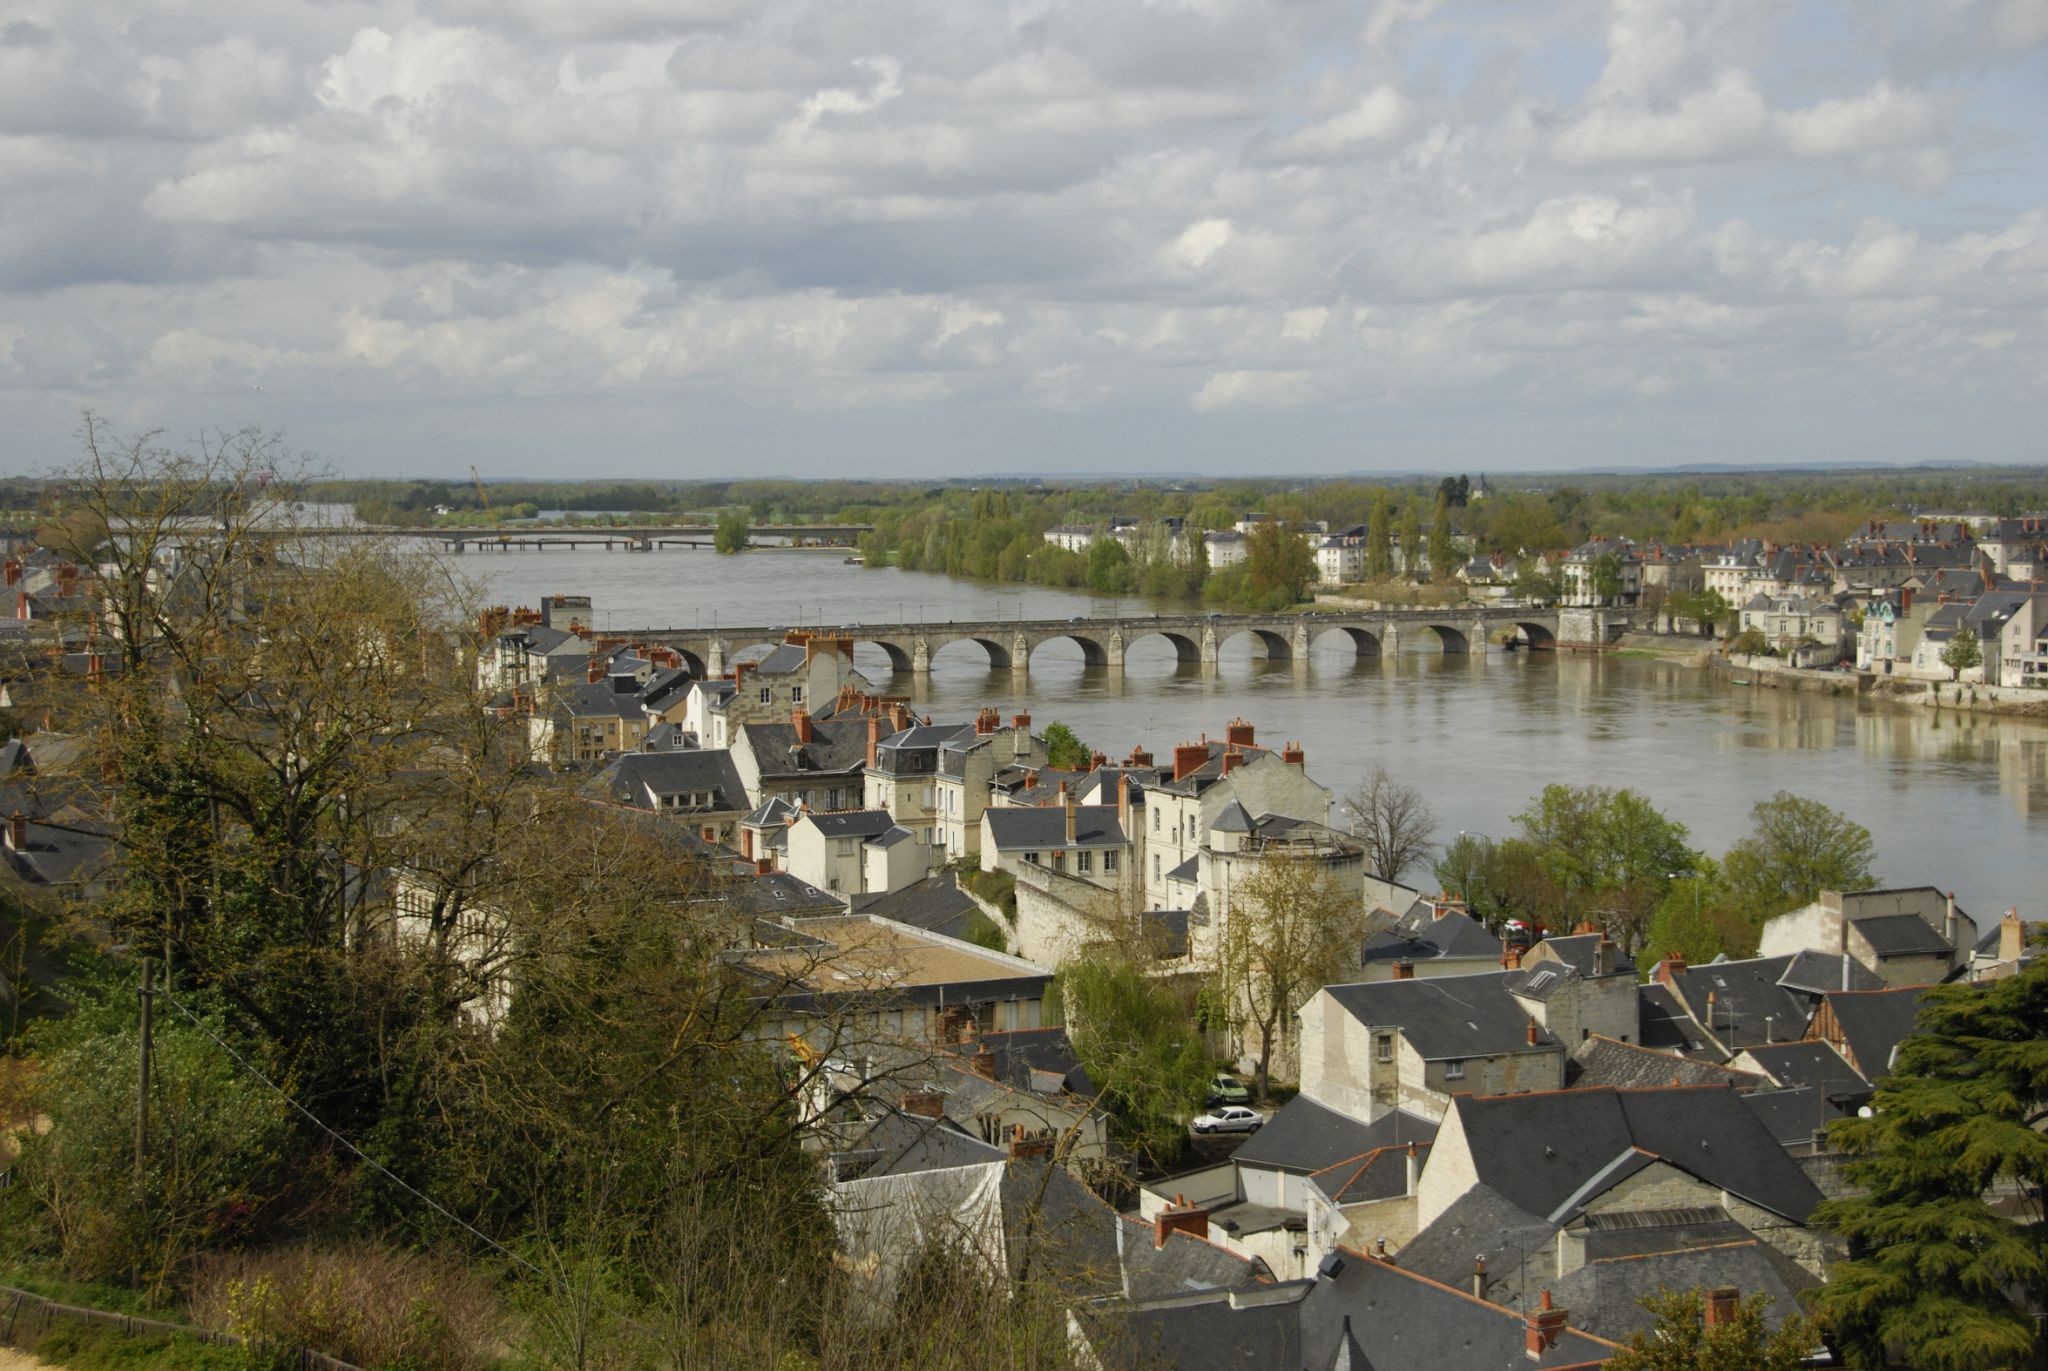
(17,832)
(1721,1305)
(1404,970)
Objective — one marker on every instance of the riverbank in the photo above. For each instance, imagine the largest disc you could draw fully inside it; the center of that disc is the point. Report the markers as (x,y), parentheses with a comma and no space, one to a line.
(1770,674)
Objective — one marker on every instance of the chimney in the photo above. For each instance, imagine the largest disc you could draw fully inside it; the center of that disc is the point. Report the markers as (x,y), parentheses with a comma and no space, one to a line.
(21,604)
(1722,1302)
(1294,756)
(1139,758)
(1067,802)
(899,715)
(739,674)
(2012,936)
(1711,998)
(1543,1326)
(874,737)
(1404,970)
(800,720)
(1188,757)
(595,671)
(1479,1278)
(1670,968)
(1021,722)
(1123,804)
(1534,1033)
(1948,926)
(1604,956)
(762,865)
(1511,959)
(13,571)
(1232,760)
(1238,733)
(926,1104)
(1414,1169)
(1179,1217)
(17,832)
(984,1062)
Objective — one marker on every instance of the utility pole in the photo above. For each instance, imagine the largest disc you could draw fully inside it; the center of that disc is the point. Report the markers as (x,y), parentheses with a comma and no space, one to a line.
(147,995)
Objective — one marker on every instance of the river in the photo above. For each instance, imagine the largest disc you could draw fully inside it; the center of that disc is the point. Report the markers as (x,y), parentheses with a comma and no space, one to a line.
(1953,800)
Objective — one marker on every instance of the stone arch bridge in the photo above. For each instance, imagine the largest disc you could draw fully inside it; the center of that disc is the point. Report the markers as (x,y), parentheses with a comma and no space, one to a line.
(1197,639)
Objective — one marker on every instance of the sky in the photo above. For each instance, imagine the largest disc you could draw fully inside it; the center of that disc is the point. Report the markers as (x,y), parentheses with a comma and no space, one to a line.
(700,238)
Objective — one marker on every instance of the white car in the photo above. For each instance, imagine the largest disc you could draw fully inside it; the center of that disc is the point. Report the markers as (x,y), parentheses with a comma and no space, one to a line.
(1230,1119)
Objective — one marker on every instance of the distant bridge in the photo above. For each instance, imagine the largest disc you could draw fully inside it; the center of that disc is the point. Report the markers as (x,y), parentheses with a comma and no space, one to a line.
(1197,639)
(538,537)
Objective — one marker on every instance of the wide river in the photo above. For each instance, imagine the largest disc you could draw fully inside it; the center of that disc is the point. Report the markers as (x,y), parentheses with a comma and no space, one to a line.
(1953,800)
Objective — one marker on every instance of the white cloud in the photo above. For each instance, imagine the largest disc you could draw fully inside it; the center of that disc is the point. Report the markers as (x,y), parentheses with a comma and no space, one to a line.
(1375,119)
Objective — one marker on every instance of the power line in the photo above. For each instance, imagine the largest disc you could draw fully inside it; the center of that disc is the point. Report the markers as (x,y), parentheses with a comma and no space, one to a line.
(351,1148)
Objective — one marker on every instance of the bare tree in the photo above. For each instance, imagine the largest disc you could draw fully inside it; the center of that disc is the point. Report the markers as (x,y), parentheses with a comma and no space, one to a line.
(1289,931)
(1393,821)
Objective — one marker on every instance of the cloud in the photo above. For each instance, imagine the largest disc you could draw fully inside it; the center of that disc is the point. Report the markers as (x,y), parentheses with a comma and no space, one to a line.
(408,218)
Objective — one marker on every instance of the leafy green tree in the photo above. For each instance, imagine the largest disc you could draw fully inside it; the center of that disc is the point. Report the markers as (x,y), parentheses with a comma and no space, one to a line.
(1796,849)
(1962,653)
(1751,642)
(1441,552)
(1610,850)
(1681,1341)
(1411,539)
(1135,1033)
(729,534)
(1604,578)
(1063,750)
(1537,587)
(1109,566)
(1278,565)
(1289,930)
(1935,1268)
(1379,539)
(1698,920)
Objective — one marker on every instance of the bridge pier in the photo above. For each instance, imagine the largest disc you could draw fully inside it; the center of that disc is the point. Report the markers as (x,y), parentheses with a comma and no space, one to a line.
(1020,654)
(1209,648)
(1390,638)
(714,659)
(920,657)
(1115,650)
(1301,647)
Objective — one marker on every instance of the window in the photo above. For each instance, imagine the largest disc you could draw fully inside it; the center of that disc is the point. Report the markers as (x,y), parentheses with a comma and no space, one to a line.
(1109,863)
(1191,828)
(767,694)
(1383,1047)
(1084,862)
(1454,1071)
(1059,861)
(1155,866)
(796,695)
(1031,857)
(1157,815)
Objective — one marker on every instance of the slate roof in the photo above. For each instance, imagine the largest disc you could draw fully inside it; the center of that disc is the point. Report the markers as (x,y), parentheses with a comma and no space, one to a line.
(1380,1174)
(1446,1017)
(1793,1116)
(628,778)
(1428,938)
(1820,972)
(1304,1136)
(1752,1003)
(74,854)
(1601,1060)
(1575,950)
(854,823)
(1016,828)
(1541,1150)
(1605,1297)
(1809,1063)
(1482,1222)
(836,745)
(1023,1056)
(778,893)
(936,904)
(1901,935)
(1873,1022)
(1662,1024)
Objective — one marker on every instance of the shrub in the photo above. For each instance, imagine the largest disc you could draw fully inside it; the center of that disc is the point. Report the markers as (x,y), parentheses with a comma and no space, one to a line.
(381,1308)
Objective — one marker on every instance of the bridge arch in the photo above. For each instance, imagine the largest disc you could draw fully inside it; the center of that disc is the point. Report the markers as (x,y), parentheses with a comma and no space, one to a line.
(1455,640)
(692,662)
(1094,652)
(1364,640)
(1539,637)
(999,657)
(1267,644)
(1187,650)
(897,653)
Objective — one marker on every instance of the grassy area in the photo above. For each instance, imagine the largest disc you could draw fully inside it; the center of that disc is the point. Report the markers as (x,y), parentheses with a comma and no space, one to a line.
(90,1347)
(39,1276)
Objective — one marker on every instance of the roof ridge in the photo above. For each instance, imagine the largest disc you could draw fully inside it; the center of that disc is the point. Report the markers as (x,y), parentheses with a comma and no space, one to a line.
(1462,1294)
(1670,1251)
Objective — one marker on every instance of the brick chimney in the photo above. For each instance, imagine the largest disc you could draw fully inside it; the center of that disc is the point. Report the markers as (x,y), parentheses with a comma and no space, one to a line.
(1535,1035)
(1067,803)
(2012,936)
(1543,1326)
(1722,1302)
(984,1062)
(762,865)
(1668,970)
(800,721)
(1187,758)
(594,672)
(1511,958)
(13,571)
(1232,760)
(1139,758)
(1238,733)
(1605,956)
(926,1104)
(874,737)
(1294,756)
(17,832)
(1123,804)
(1179,1217)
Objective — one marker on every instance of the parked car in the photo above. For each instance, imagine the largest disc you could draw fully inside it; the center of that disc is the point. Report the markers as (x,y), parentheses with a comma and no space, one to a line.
(1225,1088)
(1229,1119)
